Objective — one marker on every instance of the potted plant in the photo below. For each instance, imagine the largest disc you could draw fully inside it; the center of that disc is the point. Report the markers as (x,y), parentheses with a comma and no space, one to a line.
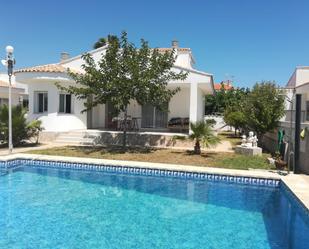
(279,163)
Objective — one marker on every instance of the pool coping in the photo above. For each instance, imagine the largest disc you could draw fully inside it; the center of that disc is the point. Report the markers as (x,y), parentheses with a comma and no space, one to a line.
(297,184)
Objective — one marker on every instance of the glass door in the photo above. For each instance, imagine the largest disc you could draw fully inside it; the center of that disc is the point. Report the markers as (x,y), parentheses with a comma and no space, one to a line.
(152,117)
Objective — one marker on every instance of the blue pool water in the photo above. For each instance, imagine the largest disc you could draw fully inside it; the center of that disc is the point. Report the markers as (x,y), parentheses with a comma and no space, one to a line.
(57,208)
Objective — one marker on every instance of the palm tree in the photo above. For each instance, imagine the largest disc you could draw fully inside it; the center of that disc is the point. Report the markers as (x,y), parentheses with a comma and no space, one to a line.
(201,132)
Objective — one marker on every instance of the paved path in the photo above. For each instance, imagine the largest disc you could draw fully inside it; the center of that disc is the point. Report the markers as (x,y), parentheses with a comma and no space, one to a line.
(5,151)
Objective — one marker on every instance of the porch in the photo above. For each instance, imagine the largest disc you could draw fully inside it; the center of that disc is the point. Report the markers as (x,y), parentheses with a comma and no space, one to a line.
(186,106)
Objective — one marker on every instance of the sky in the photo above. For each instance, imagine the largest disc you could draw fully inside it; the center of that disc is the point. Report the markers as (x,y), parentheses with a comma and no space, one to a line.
(244,40)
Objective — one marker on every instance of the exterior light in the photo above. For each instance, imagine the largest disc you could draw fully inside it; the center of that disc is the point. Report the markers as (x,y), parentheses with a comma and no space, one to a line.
(9,63)
(9,49)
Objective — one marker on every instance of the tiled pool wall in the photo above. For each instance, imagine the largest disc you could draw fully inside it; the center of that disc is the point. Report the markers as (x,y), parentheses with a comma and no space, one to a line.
(294,200)
(124,169)
(130,170)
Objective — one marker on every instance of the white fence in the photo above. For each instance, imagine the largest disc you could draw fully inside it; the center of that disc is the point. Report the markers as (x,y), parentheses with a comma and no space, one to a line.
(220,124)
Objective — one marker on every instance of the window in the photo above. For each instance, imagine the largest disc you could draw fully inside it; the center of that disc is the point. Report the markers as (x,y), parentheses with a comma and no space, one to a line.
(40,102)
(4,101)
(65,103)
(25,103)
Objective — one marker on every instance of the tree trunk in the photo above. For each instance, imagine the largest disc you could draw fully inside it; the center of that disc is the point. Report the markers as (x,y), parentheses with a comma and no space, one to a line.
(197,147)
(124,138)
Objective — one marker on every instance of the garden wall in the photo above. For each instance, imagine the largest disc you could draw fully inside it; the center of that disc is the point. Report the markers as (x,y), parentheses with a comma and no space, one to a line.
(270,142)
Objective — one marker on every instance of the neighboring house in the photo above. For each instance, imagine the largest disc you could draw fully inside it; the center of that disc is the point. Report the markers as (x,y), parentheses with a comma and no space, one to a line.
(19,91)
(60,111)
(297,84)
(227,85)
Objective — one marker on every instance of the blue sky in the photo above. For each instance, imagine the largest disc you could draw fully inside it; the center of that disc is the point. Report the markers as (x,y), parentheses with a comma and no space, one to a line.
(250,40)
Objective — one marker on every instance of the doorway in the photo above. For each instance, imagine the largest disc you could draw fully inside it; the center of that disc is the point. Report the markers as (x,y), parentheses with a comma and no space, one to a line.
(153,117)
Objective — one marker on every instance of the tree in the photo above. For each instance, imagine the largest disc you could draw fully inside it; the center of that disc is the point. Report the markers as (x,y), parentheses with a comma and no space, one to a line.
(234,109)
(202,133)
(264,107)
(234,118)
(222,99)
(21,129)
(123,74)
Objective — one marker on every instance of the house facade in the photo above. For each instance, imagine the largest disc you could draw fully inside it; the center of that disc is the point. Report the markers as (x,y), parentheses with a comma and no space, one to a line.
(61,112)
(19,91)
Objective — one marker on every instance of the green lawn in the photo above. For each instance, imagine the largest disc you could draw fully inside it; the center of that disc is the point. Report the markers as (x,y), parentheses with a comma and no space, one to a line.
(210,159)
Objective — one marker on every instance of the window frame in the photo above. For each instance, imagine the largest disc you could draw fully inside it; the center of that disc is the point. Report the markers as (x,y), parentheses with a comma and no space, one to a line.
(37,102)
(65,103)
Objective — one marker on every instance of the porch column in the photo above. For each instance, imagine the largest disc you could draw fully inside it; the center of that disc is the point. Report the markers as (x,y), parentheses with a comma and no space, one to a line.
(197,103)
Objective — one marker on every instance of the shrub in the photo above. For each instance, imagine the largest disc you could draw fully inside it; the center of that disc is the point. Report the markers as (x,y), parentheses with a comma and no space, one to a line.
(211,122)
(21,129)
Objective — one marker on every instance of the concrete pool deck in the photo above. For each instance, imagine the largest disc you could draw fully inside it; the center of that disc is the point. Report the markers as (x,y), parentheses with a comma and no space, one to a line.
(298,184)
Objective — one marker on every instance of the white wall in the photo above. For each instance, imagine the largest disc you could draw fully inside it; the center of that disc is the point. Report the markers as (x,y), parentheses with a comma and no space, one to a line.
(302,76)
(23,87)
(4,95)
(200,104)
(17,91)
(52,120)
(184,59)
(197,106)
(179,105)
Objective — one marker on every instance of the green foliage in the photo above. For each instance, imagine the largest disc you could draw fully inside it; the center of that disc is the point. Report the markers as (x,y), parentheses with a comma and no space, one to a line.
(237,119)
(222,99)
(211,122)
(33,130)
(258,110)
(21,130)
(264,107)
(202,133)
(244,162)
(125,73)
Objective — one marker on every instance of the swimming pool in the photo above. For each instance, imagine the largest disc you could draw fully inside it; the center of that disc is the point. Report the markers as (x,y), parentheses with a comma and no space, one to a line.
(56,205)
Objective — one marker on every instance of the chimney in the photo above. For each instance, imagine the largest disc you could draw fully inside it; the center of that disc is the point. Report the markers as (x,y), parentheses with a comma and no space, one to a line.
(175,44)
(64,56)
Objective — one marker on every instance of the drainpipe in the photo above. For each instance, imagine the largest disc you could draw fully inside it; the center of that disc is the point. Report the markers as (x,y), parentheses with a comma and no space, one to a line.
(297,133)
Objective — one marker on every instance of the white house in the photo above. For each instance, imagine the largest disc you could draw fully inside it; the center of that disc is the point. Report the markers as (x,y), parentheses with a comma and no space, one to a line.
(19,91)
(299,84)
(62,112)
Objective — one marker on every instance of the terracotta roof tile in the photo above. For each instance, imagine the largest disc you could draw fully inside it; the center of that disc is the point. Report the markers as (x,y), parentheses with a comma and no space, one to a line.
(49,68)
(218,86)
(170,49)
